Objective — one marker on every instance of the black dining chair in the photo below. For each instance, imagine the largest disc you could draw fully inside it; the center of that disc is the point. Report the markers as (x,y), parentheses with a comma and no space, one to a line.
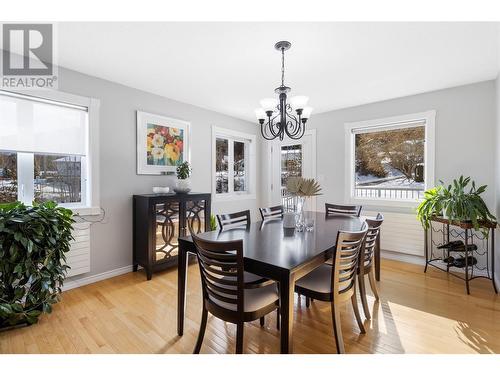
(336,283)
(269,213)
(234,220)
(226,293)
(238,220)
(366,258)
(340,209)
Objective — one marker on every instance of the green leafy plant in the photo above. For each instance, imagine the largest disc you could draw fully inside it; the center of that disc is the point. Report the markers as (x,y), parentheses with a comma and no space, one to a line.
(457,202)
(213,222)
(183,171)
(303,187)
(33,243)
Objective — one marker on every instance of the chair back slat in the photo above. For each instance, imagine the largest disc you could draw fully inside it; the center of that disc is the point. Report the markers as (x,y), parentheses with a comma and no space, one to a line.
(338,209)
(346,259)
(221,269)
(367,253)
(234,220)
(269,213)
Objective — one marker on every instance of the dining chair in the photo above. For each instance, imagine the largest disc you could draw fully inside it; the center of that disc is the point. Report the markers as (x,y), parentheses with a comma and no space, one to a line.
(336,283)
(238,220)
(269,213)
(339,209)
(366,258)
(234,220)
(226,293)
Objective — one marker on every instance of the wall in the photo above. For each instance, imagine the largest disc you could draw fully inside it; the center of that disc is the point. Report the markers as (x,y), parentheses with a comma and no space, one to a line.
(111,242)
(465,118)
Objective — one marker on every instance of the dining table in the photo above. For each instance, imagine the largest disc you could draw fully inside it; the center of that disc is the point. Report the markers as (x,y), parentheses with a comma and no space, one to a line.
(277,253)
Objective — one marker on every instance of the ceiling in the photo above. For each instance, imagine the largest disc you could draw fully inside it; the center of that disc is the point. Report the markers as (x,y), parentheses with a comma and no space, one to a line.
(229,67)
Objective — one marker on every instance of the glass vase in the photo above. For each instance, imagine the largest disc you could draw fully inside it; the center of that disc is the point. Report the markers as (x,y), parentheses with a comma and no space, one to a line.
(300,217)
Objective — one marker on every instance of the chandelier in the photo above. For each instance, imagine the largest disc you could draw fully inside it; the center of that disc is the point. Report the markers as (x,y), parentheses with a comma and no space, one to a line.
(276,116)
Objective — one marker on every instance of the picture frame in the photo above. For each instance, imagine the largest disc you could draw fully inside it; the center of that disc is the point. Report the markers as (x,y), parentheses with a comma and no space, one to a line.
(162,143)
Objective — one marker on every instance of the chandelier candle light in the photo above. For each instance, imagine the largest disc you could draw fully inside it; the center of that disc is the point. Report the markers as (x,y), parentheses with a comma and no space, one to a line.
(276,117)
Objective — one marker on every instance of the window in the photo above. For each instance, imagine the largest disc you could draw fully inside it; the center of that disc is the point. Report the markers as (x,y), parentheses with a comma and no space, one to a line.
(234,160)
(45,150)
(391,160)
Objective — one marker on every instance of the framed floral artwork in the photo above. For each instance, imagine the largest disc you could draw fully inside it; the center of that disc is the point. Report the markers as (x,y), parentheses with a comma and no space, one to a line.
(162,143)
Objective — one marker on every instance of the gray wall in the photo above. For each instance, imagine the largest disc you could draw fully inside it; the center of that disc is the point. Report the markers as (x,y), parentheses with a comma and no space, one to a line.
(465,123)
(111,242)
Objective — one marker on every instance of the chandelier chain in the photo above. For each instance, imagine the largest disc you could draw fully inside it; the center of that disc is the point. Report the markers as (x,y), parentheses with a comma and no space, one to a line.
(282,67)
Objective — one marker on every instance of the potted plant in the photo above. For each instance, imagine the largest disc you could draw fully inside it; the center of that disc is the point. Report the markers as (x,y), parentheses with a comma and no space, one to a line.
(183,184)
(33,244)
(456,202)
(302,188)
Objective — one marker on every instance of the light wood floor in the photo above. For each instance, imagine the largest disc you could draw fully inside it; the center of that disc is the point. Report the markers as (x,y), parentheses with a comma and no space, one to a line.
(417,313)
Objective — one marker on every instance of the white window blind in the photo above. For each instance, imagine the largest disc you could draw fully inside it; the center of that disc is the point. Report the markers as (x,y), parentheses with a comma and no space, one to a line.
(41,126)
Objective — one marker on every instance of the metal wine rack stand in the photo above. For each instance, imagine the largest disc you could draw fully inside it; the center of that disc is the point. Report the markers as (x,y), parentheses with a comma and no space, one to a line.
(445,231)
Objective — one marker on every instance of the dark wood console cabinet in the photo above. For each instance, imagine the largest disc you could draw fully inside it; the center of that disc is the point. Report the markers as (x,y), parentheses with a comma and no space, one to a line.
(159,220)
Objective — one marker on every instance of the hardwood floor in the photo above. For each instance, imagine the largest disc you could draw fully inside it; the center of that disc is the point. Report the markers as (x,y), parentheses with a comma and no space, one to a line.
(417,313)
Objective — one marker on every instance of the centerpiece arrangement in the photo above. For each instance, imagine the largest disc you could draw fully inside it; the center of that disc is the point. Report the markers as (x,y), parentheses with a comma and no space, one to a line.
(455,202)
(302,188)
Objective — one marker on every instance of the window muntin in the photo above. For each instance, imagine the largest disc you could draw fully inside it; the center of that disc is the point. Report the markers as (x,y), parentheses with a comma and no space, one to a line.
(50,141)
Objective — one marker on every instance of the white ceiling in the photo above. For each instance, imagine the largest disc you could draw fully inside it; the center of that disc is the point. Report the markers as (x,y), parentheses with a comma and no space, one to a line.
(229,67)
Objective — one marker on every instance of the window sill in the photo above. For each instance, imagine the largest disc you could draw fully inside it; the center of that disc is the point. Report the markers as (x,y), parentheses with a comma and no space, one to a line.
(85,211)
(232,197)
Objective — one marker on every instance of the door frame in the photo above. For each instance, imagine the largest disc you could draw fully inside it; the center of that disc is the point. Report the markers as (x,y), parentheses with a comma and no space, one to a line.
(271,150)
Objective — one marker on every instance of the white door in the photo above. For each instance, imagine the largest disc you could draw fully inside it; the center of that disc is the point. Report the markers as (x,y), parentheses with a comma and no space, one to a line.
(292,158)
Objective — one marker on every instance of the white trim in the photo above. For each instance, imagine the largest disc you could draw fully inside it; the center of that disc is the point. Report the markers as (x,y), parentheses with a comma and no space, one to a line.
(428,117)
(251,166)
(71,284)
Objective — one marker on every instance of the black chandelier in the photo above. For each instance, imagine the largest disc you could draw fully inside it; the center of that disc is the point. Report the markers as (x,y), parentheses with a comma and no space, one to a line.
(276,117)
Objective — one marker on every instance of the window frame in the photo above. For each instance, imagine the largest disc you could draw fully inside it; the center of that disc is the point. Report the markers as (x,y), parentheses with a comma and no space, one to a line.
(250,164)
(90,204)
(395,122)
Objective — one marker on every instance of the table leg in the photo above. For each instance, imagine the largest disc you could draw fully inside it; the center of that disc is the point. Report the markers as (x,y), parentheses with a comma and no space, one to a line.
(467,261)
(181,287)
(493,260)
(287,286)
(377,258)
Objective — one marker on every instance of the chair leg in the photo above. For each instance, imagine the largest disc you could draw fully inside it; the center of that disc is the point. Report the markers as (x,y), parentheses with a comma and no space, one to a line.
(262,321)
(239,338)
(373,284)
(278,318)
(337,330)
(201,334)
(362,293)
(354,301)
(308,301)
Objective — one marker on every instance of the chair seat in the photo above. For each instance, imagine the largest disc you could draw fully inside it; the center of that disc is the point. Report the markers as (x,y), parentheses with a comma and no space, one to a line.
(319,280)
(252,278)
(255,299)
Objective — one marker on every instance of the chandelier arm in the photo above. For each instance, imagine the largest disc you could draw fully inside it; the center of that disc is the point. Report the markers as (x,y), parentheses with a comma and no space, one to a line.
(264,133)
(301,133)
(292,117)
(292,129)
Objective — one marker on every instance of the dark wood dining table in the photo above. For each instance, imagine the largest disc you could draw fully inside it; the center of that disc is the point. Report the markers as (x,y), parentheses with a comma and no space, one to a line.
(276,253)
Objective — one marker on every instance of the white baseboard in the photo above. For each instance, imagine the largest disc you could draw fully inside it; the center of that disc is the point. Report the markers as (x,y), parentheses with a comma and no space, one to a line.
(71,284)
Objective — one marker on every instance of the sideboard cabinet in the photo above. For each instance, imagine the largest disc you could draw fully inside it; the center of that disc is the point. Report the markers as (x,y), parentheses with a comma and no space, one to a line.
(159,220)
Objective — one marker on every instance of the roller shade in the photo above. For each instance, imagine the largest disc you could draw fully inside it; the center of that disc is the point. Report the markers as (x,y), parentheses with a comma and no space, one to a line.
(42,126)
